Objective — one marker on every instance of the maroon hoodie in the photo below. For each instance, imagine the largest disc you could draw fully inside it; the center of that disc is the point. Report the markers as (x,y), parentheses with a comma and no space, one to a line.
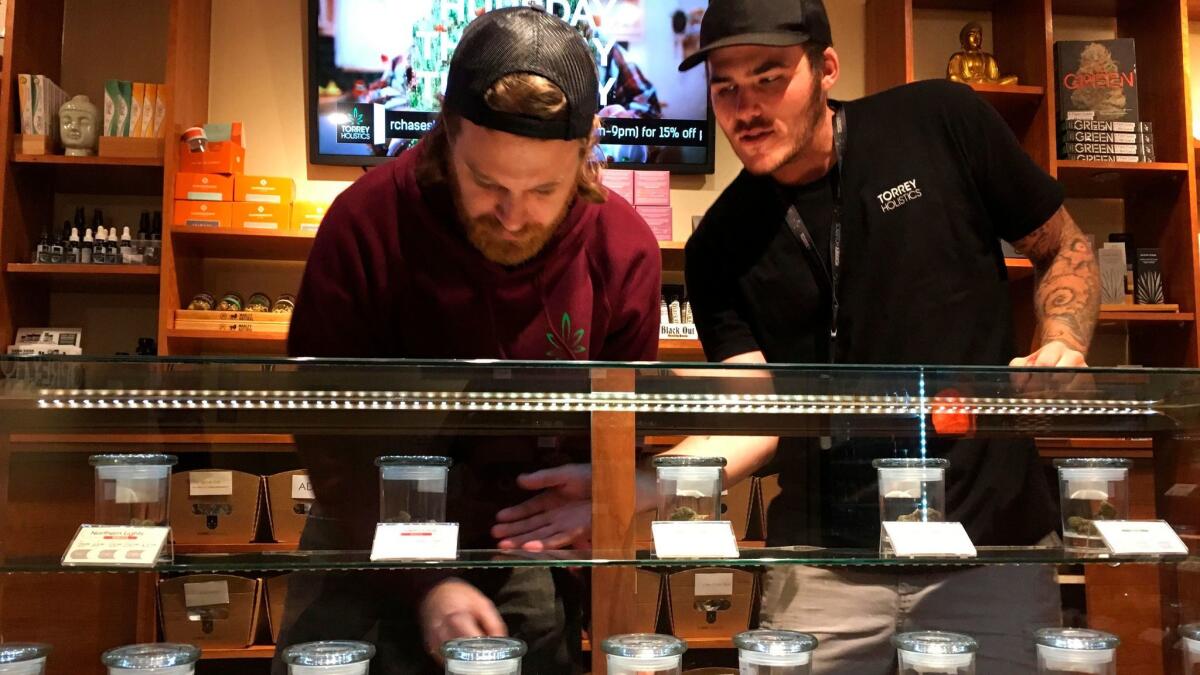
(392,275)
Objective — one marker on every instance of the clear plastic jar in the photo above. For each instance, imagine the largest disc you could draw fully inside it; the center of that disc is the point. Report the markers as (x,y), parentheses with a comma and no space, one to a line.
(1091,490)
(935,652)
(329,657)
(775,652)
(1074,651)
(412,489)
(1191,648)
(689,488)
(483,656)
(644,653)
(912,489)
(157,658)
(133,489)
(23,658)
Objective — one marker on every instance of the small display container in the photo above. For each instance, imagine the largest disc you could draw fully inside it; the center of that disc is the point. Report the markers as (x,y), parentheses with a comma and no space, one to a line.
(329,657)
(483,656)
(935,652)
(1073,651)
(775,652)
(133,489)
(1091,490)
(912,489)
(160,658)
(644,654)
(689,488)
(1191,648)
(23,658)
(412,489)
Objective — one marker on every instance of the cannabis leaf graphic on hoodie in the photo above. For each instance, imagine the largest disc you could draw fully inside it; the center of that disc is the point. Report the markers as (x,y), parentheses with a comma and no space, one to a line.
(566,344)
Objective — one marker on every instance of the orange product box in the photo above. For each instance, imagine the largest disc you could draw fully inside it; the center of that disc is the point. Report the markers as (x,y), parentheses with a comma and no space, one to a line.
(307,216)
(203,214)
(264,190)
(267,217)
(203,187)
(224,157)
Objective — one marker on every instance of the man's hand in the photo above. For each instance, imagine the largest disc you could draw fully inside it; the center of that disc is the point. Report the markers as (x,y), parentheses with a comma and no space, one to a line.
(560,516)
(456,609)
(1053,354)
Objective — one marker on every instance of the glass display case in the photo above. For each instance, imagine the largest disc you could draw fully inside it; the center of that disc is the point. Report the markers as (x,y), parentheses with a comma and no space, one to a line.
(975,447)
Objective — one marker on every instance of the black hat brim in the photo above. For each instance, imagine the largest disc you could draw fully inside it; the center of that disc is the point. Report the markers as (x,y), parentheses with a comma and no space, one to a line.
(774,39)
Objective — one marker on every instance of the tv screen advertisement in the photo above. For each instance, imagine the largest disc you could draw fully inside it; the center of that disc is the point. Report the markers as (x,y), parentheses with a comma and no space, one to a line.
(377,71)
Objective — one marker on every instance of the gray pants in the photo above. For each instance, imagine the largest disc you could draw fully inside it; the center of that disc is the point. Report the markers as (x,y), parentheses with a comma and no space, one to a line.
(854,614)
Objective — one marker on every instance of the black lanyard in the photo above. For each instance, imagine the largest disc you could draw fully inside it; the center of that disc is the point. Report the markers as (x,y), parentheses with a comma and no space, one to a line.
(831,273)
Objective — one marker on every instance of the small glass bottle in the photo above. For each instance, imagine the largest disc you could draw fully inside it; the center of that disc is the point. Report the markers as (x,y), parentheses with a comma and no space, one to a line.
(1069,651)
(100,247)
(158,658)
(23,658)
(412,489)
(483,656)
(912,489)
(284,304)
(1089,490)
(689,488)
(85,248)
(230,302)
(202,302)
(644,654)
(329,657)
(775,652)
(133,489)
(934,652)
(1191,648)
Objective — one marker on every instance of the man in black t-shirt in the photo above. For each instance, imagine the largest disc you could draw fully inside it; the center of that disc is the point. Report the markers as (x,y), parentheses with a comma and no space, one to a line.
(919,184)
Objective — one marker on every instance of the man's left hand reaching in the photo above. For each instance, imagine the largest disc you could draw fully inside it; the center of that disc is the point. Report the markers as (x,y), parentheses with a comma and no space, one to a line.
(560,516)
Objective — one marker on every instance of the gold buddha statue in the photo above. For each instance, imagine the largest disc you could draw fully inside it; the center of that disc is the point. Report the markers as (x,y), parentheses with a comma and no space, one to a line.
(973,65)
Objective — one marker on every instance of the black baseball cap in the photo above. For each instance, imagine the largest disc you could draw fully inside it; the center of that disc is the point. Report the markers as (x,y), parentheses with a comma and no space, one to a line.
(770,23)
(523,40)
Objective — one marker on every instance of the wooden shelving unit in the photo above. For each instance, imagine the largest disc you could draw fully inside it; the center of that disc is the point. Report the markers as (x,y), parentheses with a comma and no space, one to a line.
(109,162)
(255,652)
(86,278)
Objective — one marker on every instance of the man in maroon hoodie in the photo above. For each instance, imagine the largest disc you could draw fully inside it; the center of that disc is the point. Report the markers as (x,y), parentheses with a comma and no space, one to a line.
(492,238)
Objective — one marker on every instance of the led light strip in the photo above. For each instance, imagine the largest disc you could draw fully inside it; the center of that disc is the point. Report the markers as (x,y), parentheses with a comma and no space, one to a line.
(578,402)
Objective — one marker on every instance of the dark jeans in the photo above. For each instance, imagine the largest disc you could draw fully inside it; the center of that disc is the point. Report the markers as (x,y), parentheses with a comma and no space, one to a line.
(539,605)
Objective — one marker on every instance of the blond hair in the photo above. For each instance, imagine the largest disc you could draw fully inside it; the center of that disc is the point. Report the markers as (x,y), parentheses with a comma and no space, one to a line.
(522,94)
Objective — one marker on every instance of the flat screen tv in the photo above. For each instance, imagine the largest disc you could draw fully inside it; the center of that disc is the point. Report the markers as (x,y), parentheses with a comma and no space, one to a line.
(377,70)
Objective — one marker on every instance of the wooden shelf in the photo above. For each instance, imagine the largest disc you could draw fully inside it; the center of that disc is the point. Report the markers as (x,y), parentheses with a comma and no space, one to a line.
(1018,268)
(63,160)
(94,175)
(235,243)
(1013,102)
(1114,179)
(1137,317)
(255,652)
(224,342)
(680,350)
(110,278)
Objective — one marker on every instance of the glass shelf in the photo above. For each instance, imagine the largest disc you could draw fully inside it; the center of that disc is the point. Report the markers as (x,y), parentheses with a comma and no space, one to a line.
(333,561)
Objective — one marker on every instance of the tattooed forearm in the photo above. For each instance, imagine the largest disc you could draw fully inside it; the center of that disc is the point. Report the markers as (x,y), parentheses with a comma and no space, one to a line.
(1067,295)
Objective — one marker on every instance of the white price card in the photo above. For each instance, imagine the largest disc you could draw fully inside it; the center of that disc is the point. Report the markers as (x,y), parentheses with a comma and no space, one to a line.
(940,540)
(1131,537)
(116,546)
(694,539)
(415,541)
(302,487)
(210,483)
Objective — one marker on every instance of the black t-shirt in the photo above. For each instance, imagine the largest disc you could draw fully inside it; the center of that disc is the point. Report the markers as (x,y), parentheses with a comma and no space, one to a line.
(932,180)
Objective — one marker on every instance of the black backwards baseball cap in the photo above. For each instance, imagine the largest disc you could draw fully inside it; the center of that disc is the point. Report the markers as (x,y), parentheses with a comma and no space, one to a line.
(768,23)
(523,40)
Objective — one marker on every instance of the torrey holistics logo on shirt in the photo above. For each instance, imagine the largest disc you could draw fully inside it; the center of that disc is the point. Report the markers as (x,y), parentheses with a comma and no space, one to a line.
(890,200)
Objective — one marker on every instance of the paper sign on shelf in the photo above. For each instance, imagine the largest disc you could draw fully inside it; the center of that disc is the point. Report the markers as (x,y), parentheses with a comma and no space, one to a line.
(1132,537)
(694,539)
(116,546)
(210,483)
(415,541)
(302,487)
(942,540)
